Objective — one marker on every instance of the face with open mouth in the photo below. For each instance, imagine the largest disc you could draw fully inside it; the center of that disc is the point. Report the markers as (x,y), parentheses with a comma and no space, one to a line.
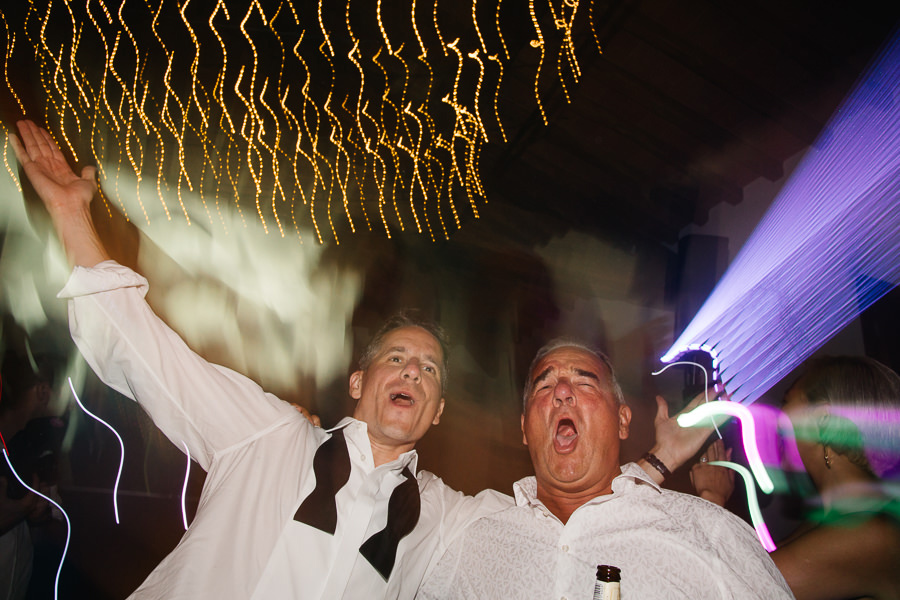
(399,394)
(573,423)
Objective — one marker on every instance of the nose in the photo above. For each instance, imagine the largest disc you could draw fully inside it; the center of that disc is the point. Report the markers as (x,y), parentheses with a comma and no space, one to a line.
(411,370)
(563,393)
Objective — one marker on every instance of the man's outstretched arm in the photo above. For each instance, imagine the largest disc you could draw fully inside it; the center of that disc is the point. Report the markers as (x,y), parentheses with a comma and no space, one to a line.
(66,195)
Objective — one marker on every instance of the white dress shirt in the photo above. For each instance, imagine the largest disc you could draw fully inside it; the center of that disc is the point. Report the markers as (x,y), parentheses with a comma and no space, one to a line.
(258,451)
(666,544)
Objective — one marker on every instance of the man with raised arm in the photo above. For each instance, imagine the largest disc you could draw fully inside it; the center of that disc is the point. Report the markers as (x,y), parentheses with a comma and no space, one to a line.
(288,510)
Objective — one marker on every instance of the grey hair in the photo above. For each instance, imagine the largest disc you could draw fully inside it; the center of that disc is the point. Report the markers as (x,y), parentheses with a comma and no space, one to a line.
(558,343)
(409,318)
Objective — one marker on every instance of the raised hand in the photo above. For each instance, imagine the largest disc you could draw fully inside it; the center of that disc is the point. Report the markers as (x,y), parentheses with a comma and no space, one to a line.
(711,482)
(66,195)
(675,444)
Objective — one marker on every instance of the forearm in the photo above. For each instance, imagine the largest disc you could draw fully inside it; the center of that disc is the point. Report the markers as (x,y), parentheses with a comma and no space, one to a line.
(78,236)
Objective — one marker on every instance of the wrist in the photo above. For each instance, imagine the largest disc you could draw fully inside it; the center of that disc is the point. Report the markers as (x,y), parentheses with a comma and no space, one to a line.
(713,497)
(668,459)
(655,467)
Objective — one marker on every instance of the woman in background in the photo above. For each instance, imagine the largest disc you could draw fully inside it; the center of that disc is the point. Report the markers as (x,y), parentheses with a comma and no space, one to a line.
(845,413)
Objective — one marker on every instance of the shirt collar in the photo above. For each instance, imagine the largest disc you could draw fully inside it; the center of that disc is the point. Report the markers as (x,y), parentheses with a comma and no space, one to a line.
(356,433)
(525,490)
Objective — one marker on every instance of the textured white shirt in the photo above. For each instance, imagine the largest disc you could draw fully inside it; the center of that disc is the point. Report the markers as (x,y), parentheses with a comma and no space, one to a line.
(667,545)
(258,451)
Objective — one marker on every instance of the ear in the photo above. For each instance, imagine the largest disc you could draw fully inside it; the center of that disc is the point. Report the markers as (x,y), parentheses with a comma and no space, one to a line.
(440,411)
(524,439)
(624,421)
(356,385)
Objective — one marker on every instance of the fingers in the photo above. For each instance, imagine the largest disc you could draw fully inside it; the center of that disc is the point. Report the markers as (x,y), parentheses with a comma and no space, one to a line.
(662,409)
(314,419)
(89,173)
(30,140)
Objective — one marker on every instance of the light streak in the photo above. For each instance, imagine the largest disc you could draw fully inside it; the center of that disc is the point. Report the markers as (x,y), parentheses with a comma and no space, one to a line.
(437,28)
(76,37)
(705,385)
(825,250)
(412,14)
(477,29)
(251,146)
(748,434)
(759,524)
(325,31)
(273,150)
(61,510)
(11,36)
(538,43)
(297,149)
(387,40)
(121,447)
(494,58)
(145,109)
(594,27)
(477,58)
(417,175)
(500,35)
(184,487)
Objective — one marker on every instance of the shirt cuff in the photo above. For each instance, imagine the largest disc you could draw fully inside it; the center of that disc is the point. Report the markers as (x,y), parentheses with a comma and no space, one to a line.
(102,277)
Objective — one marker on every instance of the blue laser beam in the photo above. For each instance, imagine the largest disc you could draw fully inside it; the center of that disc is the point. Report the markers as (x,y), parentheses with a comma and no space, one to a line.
(827,249)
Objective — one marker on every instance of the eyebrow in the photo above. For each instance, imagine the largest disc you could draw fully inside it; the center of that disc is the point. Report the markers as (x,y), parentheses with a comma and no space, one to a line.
(580,372)
(588,374)
(542,376)
(402,349)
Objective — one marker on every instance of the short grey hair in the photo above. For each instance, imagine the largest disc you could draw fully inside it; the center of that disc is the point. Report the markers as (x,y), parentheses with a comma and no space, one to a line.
(409,318)
(558,343)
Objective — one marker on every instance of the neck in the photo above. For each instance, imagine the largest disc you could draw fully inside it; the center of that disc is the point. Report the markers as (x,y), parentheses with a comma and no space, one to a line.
(384,453)
(846,480)
(563,503)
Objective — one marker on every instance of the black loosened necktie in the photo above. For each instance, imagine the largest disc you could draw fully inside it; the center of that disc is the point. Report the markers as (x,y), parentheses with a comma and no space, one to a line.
(332,470)
(403,514)
(331,467)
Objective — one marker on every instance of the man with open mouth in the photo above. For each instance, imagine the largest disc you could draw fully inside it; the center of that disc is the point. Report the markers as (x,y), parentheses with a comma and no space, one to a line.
(288,510)
(581,509)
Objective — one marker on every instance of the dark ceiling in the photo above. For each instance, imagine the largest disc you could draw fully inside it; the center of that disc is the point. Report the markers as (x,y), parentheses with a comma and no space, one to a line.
(687,103)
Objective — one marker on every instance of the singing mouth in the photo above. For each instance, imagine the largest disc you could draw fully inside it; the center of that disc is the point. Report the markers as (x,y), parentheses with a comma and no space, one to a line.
(566,435)
(402,398)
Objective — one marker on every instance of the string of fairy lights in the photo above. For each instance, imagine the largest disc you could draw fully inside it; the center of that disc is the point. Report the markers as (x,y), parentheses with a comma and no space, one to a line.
(338,117)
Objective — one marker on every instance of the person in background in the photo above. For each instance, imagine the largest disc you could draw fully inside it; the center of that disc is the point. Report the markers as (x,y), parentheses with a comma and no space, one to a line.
(582,510)
(845,417)
(32,438)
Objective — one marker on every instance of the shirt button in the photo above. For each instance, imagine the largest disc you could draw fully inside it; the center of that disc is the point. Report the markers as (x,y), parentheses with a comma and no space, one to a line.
(362,457)
(565,548)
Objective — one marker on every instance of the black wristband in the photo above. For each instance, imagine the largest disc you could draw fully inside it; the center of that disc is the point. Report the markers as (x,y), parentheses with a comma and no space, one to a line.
(657,464)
